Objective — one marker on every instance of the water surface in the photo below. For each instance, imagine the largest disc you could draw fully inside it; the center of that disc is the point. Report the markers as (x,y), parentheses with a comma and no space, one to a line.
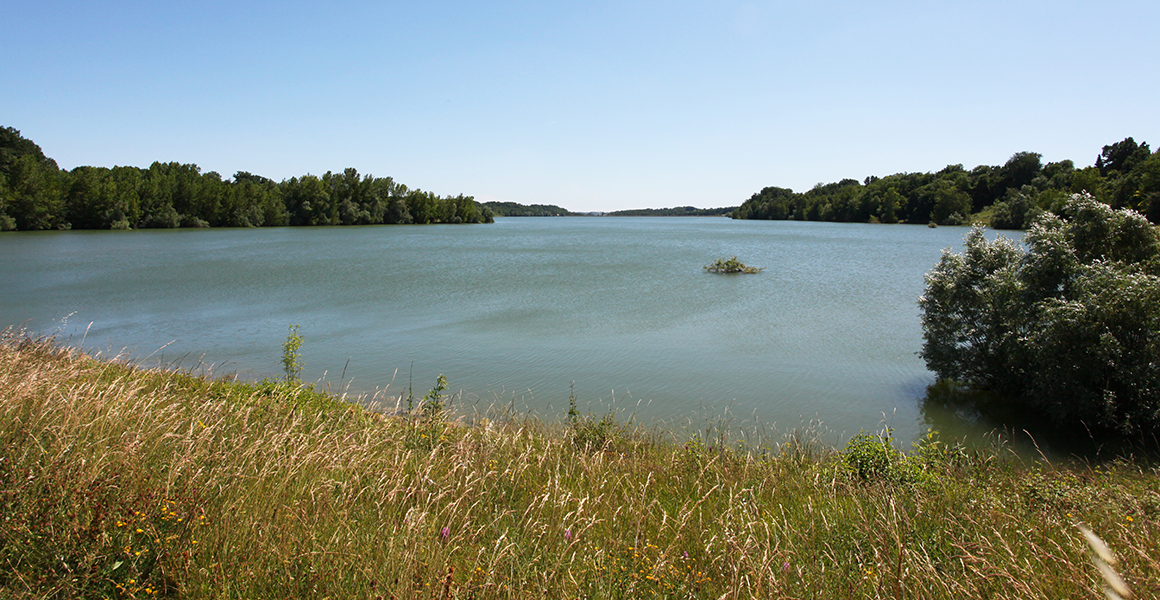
(517,311)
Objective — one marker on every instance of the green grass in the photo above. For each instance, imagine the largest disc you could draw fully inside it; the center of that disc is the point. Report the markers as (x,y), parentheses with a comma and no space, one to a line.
(983,217)
(120,482)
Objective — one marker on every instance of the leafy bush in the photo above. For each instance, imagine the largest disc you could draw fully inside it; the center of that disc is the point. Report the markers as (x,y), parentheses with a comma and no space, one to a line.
(872,457)
(291,355)
(589,433)
(433,403)
(731,265)
(1070,328)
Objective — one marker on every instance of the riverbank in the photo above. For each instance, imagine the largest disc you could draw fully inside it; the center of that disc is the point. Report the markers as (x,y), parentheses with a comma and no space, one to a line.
(124,482)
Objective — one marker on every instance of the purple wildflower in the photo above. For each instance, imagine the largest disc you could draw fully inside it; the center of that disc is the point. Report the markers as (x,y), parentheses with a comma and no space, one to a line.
(446,532)
(568,534)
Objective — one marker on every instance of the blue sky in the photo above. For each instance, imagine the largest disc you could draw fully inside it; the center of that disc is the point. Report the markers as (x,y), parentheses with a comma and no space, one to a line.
(591,106)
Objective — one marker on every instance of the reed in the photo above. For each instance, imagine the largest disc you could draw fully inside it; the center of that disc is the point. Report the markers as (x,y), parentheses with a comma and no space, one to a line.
(122,482)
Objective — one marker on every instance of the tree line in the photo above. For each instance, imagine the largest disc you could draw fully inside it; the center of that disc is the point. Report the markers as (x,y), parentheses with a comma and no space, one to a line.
(35,194)
(1125,175)
(514,209)
(678,211)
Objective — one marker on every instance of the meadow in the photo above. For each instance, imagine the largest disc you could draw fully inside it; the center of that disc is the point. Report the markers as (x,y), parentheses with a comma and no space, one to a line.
(123,482)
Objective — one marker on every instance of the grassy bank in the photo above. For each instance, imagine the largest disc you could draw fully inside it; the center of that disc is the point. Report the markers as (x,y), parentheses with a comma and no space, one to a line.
(125,483)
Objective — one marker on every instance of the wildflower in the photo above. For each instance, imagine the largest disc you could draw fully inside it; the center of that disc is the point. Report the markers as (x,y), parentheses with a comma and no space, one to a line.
(1130,519)
(785,567)
(446,532)
(568,534)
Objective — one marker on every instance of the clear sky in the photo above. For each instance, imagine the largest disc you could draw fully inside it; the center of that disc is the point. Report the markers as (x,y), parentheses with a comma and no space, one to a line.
(591,106)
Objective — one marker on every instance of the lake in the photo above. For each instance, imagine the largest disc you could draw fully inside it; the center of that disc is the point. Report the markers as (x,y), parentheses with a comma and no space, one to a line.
(616,309)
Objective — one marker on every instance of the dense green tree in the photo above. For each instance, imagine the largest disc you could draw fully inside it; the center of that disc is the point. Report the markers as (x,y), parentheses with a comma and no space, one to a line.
(891,202)
(100,198)
(33,183)
(1147,195)
(1019,170)
(307,200)
(1055,176)
(769,203)
(1121,156)
(1070,328)
(1089,181)
(7,223)
(951,205)
(1018,210)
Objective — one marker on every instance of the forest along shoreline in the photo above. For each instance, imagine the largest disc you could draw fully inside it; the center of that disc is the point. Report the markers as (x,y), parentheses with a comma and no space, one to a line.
(35,194)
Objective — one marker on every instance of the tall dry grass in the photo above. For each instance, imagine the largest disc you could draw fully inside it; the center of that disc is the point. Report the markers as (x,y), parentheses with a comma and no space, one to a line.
(121,482)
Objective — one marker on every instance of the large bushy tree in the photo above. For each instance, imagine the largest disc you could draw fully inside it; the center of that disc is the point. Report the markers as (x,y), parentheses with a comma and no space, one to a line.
(1069,326)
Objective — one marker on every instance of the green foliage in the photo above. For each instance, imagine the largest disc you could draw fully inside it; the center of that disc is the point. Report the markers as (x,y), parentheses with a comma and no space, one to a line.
(432,404)
(36,194)
(429,428)
(951,204)
(291,355)
(591,434)
(587,432)
(1070,328)
(1018,210)
(679,211)
(513,209)
(1126,175)
(872,457)
(731,265)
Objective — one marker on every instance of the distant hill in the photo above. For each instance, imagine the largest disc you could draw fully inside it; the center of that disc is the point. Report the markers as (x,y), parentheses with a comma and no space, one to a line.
(679,211)
(512,209)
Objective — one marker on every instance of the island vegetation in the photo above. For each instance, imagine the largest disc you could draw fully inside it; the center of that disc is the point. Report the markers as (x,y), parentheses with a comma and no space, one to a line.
(35,194)
(731,265)
(123,482)
(1009,196)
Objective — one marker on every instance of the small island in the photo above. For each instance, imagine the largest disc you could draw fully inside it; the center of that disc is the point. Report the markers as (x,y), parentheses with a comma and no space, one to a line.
(731,265)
